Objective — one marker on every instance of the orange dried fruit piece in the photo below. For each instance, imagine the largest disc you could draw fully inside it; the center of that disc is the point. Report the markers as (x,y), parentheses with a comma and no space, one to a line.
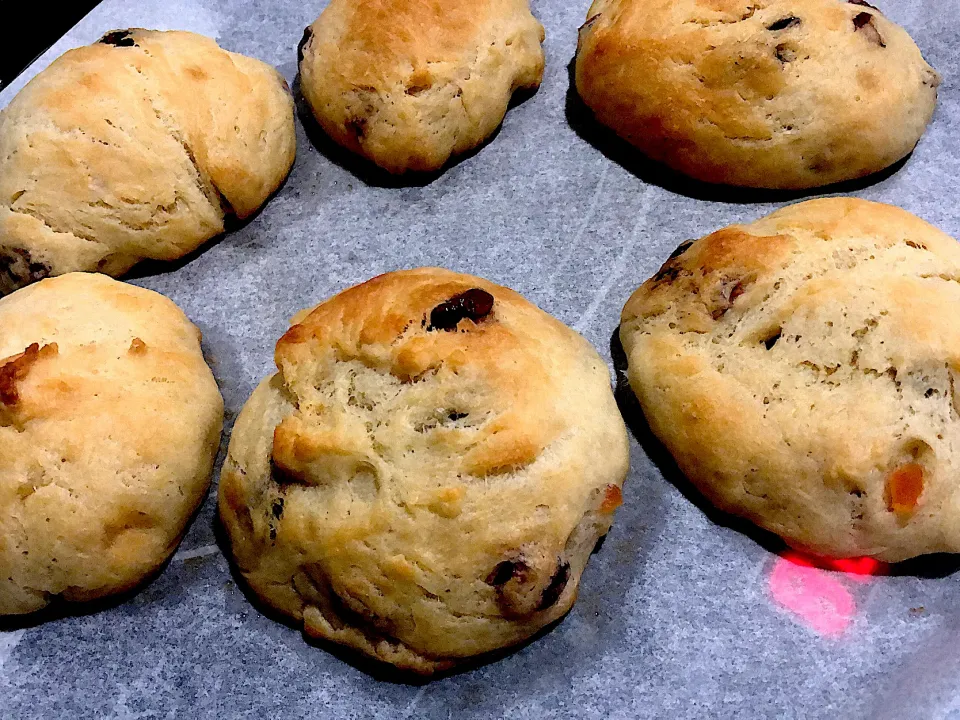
(612,499)
(904,488)
(15,368)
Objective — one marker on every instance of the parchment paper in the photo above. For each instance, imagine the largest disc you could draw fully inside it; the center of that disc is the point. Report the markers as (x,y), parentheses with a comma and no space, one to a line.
(683,613)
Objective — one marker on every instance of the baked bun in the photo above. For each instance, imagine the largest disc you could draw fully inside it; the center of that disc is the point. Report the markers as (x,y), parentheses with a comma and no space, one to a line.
(109,425)
(784,94)
(427,474)
(803,371)
(410,83)
(136,147)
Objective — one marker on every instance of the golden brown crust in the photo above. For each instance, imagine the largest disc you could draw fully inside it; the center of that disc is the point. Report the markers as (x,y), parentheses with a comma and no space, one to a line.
(14,370)
(426,475)
(409,83)
(799,367)
(109,425)
(759,93)
(145,142)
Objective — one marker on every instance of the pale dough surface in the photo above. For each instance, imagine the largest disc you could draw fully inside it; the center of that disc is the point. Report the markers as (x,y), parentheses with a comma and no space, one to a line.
(109,424)
(419,489)
(410,83)
(803,369)
(783,94)
(136,147)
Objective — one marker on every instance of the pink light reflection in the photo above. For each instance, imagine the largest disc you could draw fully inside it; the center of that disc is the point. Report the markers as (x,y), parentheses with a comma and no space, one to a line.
(811,589)
(860,570)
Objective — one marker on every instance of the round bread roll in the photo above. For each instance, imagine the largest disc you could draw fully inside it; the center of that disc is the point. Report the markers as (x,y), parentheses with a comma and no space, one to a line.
(409,84)
(136,147)
(783,94)
(427,474)
(109,424)
(803,371)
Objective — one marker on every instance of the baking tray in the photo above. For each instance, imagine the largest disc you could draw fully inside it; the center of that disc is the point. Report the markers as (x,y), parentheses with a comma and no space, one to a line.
(683,612)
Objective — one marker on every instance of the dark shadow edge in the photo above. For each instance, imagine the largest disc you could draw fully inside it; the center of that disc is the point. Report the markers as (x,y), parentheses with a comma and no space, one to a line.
(231,225)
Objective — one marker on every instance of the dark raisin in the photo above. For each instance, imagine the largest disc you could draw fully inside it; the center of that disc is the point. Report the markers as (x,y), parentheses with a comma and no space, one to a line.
(737,291)
(506,571)
(118,38)
(729,292)
(785,53)
(35,270)
(281,476)
(13,371)
(474,304)
(864,3)
(864,23)
(273,531)
(415,90)
(670,270)
(454,416)
(590,21)
(668,273)
(17,268)
(277,508)
(357,126)
(681,249)
(307,34)
(556,587)
(784,23)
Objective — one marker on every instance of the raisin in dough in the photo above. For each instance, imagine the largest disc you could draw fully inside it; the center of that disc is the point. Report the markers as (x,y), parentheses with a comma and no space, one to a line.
(785,94)
(409,83)
(136,147)
(803,371)
(425,477)
(109,424)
